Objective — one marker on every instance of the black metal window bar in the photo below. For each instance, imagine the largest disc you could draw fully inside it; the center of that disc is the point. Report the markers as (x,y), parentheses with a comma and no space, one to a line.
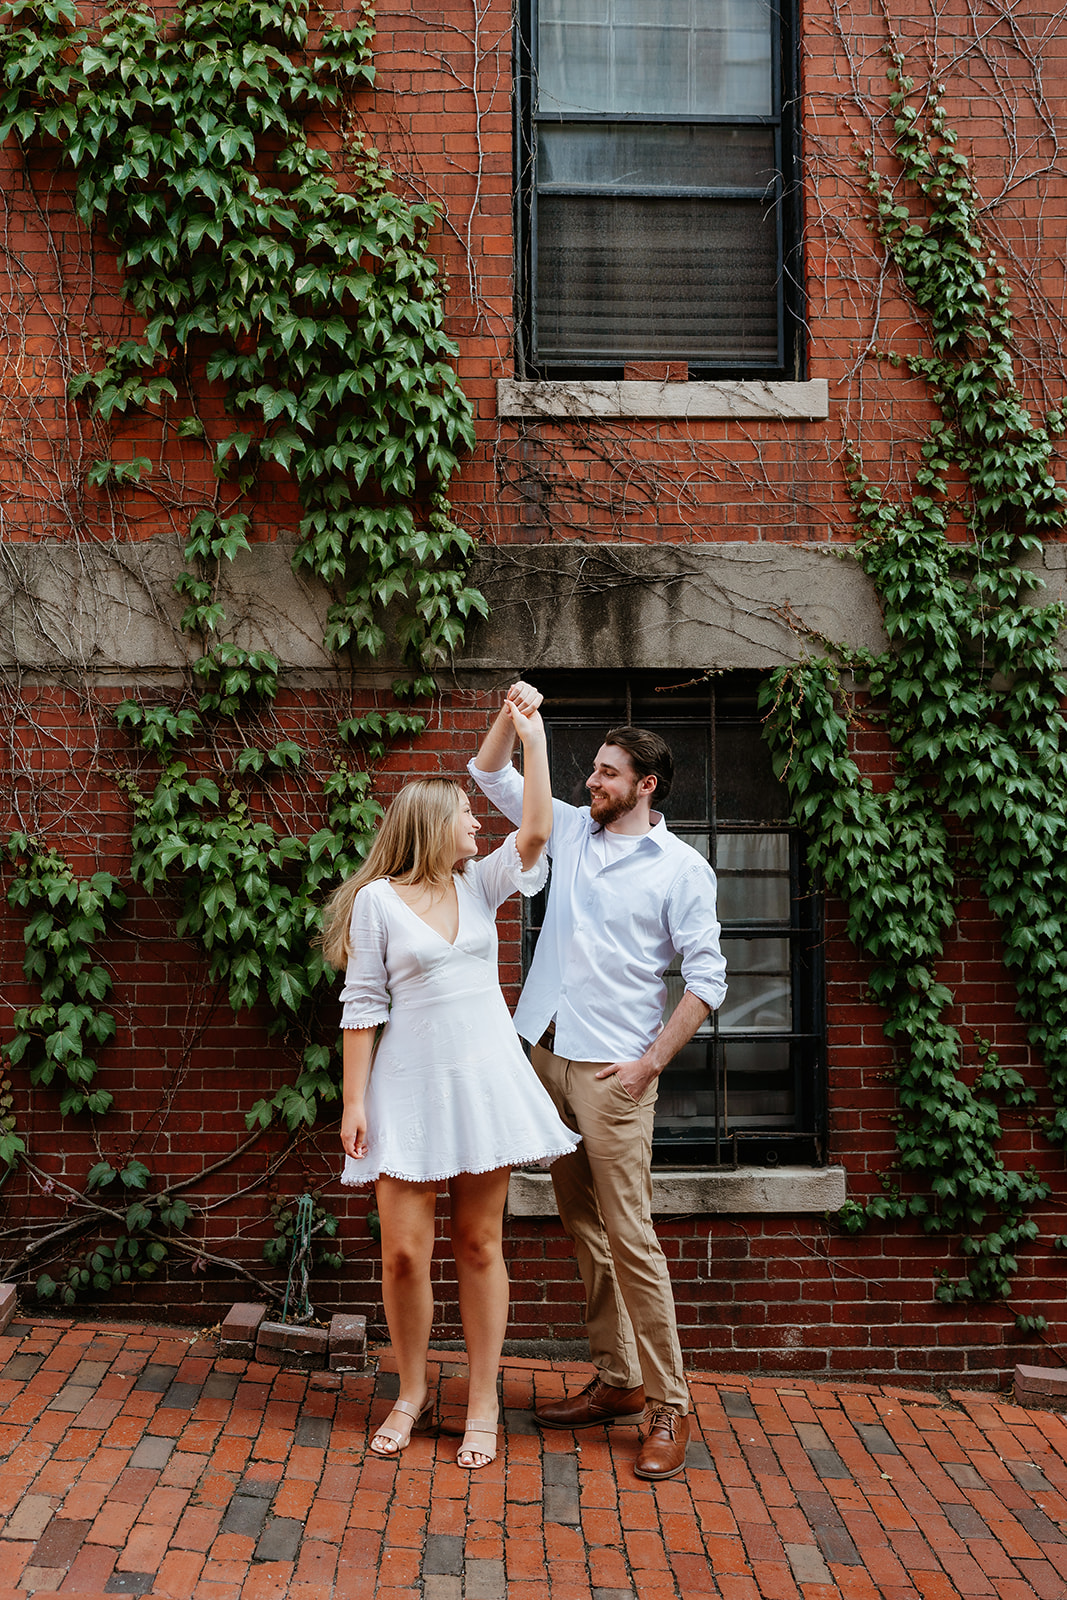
(750,1087)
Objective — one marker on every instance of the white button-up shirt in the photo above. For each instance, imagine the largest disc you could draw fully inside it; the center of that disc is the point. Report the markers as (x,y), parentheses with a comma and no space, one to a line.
(613,925)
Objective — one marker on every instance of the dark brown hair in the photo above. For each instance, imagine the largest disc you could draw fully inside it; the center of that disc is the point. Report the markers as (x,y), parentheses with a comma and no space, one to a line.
(649,755)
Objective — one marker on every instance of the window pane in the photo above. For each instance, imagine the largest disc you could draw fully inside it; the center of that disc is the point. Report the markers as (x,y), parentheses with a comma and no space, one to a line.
(690,797)
(686,57)
(574,747)
(760,1089)
(748,790)
(572,751)
(760,991)
(753,874)
(746,1086)
(760,994)
(621,279)
(671,155)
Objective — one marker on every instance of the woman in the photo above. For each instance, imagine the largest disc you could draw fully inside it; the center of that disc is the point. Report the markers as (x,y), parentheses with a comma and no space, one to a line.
(444,1094)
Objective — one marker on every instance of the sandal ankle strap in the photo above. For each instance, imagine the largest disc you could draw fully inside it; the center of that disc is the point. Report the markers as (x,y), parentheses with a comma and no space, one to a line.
(409,1408)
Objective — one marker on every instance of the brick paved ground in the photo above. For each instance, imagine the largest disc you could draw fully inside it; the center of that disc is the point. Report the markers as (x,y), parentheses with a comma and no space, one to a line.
(135,1462)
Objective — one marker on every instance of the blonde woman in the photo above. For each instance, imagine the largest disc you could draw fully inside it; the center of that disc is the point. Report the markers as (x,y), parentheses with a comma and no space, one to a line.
(437,1090)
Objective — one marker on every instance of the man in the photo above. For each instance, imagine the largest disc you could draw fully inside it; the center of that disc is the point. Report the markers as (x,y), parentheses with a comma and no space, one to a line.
(625,897)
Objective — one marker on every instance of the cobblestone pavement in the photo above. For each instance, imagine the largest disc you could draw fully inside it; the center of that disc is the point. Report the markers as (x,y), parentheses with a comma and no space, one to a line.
(136,1462)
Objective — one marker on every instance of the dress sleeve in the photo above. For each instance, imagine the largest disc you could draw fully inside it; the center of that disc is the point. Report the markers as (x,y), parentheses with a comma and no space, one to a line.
(501,872)
(365,996)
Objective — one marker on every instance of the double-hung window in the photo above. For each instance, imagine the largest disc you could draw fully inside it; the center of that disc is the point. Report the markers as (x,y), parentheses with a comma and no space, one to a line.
(750,1086)
(656,190)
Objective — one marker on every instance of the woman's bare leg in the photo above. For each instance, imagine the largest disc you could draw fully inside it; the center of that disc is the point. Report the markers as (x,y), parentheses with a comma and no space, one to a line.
(407,1212)
(477,1244)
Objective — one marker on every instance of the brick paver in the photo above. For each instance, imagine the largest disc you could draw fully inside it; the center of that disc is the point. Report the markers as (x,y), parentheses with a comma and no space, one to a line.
(136,1461)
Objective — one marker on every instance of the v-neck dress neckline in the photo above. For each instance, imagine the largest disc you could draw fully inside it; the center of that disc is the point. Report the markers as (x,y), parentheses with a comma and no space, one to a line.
(451,943)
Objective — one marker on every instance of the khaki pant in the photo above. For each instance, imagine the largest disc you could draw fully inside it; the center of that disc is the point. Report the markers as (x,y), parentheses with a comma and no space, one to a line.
(604,1194)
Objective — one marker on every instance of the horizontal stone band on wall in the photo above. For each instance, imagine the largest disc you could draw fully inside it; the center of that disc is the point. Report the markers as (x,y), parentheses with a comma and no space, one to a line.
(665,607)
(753,1190)
(747,398)
(109,609)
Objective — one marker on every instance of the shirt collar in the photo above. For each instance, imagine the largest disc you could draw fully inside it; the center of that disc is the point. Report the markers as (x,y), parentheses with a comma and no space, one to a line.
(659,833)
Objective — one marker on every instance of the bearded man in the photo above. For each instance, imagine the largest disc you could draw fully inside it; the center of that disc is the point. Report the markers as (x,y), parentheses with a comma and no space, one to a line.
(626,896)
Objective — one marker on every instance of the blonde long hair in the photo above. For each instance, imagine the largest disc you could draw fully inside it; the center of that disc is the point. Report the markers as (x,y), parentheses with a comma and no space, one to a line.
(414,844)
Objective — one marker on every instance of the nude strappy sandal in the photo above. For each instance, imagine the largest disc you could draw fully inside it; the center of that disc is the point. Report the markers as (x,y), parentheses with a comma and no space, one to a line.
(478,1428)
(420,1421)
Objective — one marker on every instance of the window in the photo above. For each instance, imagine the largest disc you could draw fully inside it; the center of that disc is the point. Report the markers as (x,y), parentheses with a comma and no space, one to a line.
(751,1085)
(656,191)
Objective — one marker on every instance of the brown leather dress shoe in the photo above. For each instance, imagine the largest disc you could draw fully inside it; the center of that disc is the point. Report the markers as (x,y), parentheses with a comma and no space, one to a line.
(662,1452)
(598,1404)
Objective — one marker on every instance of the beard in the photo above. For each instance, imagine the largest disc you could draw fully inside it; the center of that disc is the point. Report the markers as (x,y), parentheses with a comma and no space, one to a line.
(605,810)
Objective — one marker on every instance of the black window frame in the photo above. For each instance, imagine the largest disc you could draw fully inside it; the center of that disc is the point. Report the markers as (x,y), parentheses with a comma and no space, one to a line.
(791,362)
(600,700)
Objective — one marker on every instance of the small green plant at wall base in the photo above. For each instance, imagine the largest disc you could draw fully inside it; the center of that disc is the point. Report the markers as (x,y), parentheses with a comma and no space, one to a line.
(970,695)
(324,1225)
(11,1145)
(136,1253)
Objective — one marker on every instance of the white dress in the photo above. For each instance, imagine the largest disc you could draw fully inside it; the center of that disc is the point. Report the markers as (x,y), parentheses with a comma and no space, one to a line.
(450,1088)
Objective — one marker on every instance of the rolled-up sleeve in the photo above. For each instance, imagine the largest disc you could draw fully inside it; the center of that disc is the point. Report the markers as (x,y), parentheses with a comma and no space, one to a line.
(502,789)
(365,995)
(694,928)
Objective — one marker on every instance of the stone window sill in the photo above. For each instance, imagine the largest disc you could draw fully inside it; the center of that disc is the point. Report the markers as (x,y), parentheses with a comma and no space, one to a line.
(677,1192)
(663,399)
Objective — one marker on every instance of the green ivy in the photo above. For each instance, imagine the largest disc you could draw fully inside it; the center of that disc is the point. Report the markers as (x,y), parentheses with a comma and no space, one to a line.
(137,1252)
(315,307)
(66,920)
(970,695)
(247,894)
(12,1146)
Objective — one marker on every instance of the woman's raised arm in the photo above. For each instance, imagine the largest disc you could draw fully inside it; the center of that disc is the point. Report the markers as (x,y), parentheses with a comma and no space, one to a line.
(536,824)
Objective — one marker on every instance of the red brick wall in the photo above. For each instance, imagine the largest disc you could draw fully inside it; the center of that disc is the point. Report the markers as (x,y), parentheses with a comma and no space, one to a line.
(778,1294)
(754,1294)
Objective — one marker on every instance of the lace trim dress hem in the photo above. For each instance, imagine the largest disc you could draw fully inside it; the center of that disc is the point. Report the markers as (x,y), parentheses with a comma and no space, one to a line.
(356,1180)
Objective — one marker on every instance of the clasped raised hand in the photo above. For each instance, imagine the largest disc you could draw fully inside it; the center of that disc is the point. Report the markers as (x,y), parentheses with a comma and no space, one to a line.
(524,697)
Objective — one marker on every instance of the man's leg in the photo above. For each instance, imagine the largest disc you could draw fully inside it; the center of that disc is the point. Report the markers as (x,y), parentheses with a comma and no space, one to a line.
(611,1336)
(617,1145)
(617,1139)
